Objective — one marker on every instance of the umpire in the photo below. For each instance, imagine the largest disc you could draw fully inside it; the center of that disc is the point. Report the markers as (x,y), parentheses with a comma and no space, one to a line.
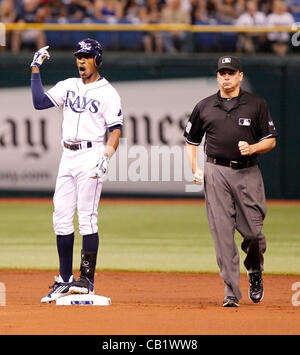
(237,127)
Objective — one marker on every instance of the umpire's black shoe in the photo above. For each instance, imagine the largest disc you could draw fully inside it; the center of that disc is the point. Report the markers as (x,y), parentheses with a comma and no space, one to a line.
(256,289)
(230,301)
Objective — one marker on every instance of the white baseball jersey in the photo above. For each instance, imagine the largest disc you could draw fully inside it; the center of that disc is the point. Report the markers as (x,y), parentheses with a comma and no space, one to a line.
(88,109)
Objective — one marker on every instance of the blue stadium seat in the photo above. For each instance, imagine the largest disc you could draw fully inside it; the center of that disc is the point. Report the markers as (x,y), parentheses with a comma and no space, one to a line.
(227,40)
(108,39)
(129,39)
(296,17)
(57,39)
(76,36)
(205,41)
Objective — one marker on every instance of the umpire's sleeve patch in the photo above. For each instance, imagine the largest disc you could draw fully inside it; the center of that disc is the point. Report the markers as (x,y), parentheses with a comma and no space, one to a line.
(188,127)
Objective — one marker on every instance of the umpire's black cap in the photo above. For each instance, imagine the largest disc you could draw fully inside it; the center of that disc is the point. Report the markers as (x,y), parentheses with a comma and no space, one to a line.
(229,62)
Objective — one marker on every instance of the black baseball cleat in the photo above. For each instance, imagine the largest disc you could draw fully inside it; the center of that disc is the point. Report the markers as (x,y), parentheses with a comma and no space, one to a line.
(82,286)
(230,301)
(87,270)
(256,289)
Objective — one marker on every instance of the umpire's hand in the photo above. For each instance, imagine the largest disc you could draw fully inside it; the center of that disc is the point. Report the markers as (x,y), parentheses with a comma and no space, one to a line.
(245,148)
(198,177)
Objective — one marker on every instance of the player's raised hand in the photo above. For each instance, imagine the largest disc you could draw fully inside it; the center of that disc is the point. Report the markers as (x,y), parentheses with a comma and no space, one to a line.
(101,168)
(39,57)
(198,177)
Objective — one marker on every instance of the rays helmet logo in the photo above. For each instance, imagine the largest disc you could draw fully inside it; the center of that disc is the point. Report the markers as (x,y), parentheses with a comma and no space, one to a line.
(84,46)
(90,46)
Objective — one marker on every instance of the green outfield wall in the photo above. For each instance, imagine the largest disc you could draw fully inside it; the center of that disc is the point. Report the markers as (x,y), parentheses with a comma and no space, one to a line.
(276,79)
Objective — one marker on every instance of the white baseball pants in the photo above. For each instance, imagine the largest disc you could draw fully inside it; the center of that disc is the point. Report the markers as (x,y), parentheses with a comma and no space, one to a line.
(76,190)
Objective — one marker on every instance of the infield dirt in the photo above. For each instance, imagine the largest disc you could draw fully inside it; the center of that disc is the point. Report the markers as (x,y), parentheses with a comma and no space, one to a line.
(149,304)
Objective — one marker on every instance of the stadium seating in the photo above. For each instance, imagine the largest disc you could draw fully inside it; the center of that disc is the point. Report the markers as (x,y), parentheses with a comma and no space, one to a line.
(227,40)
(296,17)
(108,39)
(205,41)
(76,36)
(129,39)
(57,39)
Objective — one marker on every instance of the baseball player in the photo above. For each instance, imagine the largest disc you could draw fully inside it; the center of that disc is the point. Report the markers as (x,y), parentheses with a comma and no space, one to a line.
(90,105)
(237,127)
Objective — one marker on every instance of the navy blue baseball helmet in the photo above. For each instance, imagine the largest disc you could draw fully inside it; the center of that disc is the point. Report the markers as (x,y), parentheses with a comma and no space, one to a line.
(90,46)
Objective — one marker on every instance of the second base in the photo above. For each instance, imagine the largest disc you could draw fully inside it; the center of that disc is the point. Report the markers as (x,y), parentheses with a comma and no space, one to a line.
(83,300)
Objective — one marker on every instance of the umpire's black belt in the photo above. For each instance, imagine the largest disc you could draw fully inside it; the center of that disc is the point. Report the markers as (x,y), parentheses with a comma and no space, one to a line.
(234,164)
(77,146)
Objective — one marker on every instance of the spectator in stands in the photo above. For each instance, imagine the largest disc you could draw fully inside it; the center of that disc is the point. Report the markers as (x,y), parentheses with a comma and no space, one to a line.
(108,10)
(227,12)
(279,41)
(150,13)
(185,5)
(294,8)
(46,10)
(79,9)
(199,11)
(213,6)
(132,11)
(28,13)
(240,7)
(265,6)
(194,8)
(248,42)
(7,15)
(172,13)
(7,11)
(55,9)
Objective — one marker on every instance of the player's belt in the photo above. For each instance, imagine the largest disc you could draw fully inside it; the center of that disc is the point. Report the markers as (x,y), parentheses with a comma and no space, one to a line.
(77,146)
(234,164)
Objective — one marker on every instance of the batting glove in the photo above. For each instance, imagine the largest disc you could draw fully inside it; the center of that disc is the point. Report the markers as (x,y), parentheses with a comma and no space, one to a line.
(198,177)
(101,168)
(40,56)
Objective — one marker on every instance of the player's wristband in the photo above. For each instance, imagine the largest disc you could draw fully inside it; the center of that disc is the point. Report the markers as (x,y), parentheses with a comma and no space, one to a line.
(35,64)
